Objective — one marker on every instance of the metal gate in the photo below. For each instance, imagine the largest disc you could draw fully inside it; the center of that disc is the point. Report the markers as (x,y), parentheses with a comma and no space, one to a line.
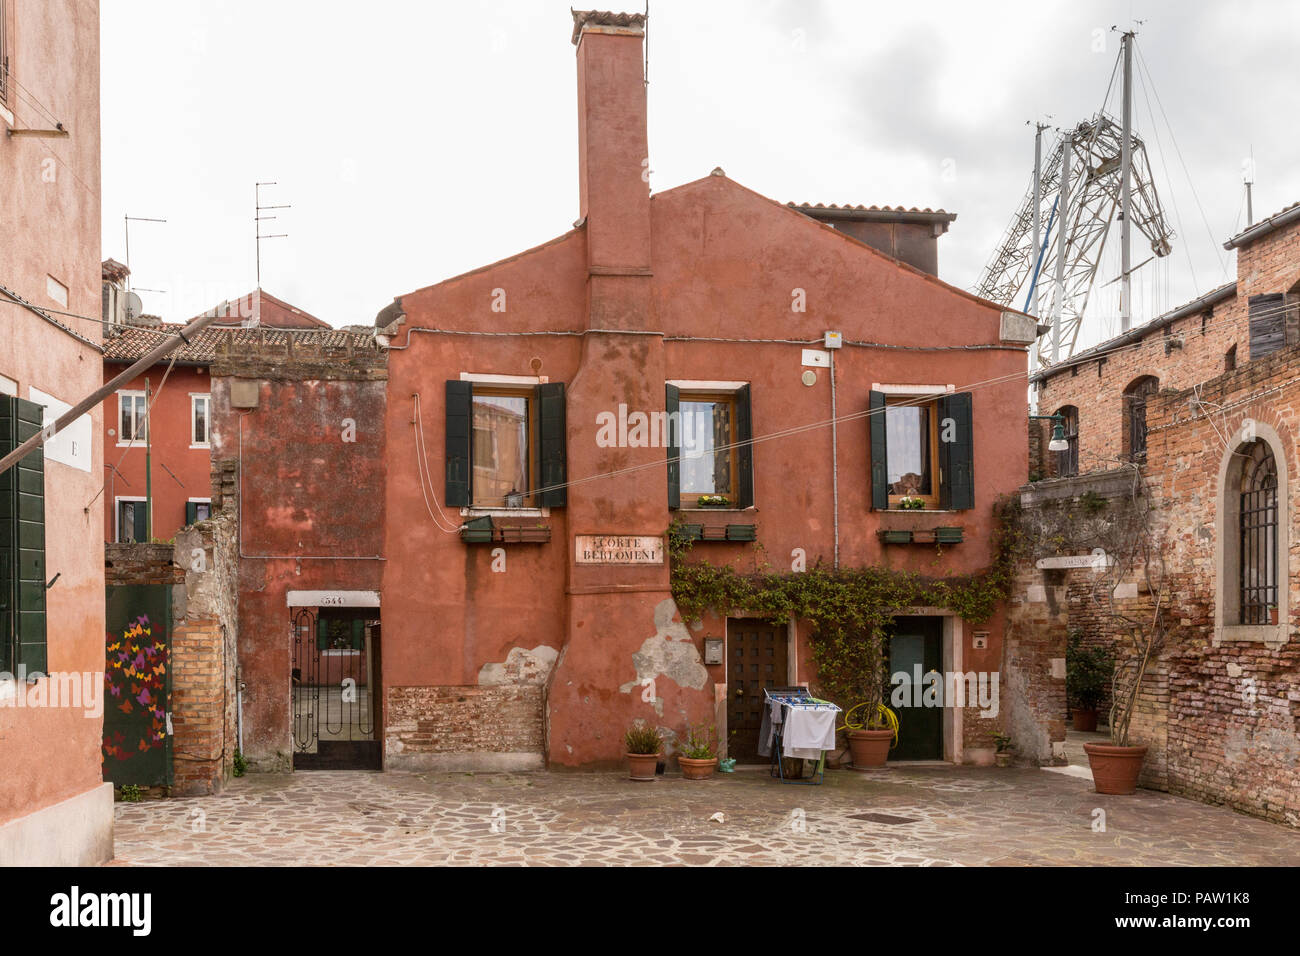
(332,689)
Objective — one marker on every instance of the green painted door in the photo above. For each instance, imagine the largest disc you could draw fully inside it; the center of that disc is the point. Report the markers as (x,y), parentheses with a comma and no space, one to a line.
(138,686)
(916,650)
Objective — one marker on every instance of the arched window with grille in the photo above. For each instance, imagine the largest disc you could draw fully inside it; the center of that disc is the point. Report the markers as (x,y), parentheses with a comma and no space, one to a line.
(1135,416)
(1257,534)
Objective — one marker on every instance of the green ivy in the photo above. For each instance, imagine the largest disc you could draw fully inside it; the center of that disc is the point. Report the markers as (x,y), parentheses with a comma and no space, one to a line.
(851,609)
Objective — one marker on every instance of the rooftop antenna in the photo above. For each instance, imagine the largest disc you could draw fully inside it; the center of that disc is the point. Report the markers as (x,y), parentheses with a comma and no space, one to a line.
(257,228)
(127,220)
(1249,179)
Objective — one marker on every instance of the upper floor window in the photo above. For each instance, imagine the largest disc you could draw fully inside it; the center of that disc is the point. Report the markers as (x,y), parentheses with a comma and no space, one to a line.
(132,417)
(1067,462)
(200,420)
(1257,539)
(1136,397)
(922,447)
(505,444)
(709,443)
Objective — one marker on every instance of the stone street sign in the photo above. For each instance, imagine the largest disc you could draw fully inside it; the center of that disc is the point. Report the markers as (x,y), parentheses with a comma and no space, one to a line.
(1097,560)
(619,549)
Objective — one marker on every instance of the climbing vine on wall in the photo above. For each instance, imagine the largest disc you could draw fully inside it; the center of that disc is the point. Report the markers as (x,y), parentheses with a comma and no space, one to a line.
(850,609)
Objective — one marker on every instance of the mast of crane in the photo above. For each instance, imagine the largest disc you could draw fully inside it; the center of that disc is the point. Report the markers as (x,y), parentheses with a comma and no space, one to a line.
(1063,219)
(1126,168)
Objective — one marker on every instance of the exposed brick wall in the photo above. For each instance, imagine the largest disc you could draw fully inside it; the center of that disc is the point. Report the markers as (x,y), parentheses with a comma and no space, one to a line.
(465,720)
(198,707)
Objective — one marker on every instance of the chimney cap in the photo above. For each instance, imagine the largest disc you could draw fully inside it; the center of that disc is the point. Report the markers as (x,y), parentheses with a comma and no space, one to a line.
(629,23)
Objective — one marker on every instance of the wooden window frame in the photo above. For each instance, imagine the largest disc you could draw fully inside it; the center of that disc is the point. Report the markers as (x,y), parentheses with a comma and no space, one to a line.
(733,464)
(529,393)
(117,516)
(936,478)
(206,398)
(122,440)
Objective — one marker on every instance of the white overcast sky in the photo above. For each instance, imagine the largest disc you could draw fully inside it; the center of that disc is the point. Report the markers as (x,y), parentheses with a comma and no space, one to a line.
(416,141)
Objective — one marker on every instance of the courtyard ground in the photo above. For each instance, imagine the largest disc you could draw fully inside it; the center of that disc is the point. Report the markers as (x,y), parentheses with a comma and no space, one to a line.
(930,815)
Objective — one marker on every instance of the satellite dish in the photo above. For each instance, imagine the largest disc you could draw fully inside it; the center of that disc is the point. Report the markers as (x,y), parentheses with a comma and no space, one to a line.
(134,307)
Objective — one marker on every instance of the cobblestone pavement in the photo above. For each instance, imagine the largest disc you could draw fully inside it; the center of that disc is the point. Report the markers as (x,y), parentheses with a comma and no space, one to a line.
(921,816)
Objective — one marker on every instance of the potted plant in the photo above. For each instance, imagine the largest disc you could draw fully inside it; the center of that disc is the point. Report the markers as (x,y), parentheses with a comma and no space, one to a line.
(1089,669)
(871,740)
(1005,752)
(713,501)
(697,752)
(643,748)
(1272,613)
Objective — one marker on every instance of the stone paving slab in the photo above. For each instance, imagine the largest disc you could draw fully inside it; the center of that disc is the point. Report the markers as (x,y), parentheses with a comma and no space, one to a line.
(913,816)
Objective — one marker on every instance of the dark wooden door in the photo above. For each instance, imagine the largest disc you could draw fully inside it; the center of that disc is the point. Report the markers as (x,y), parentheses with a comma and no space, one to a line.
(917,642)
(757,657)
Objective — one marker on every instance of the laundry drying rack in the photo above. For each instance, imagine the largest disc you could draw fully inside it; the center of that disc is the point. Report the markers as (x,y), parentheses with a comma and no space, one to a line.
(792,698)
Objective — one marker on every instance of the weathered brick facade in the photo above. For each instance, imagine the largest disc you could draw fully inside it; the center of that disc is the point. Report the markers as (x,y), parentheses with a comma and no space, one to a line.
(428,727)
(1220,707)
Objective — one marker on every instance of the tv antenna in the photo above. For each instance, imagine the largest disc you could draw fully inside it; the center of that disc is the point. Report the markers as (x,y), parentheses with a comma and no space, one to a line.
(257,224)
(127,220)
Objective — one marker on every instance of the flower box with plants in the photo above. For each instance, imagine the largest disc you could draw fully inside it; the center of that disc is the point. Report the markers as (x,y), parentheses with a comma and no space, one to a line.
(642,748)
(1089,669)
(713,501)
(697,751)
(911,503)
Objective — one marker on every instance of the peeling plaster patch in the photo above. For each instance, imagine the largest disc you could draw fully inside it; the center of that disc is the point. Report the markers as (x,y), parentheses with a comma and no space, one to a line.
(1234,670)
(1037,594)
(669,653)
(521,667)
(1058,667)
(1126,589)
(1242,744)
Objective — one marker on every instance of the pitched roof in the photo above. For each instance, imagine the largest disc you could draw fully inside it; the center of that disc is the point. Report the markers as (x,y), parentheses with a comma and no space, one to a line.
(113,271)
(269,311)
(133,343)
(604,18)
(1262,228)
(879,213)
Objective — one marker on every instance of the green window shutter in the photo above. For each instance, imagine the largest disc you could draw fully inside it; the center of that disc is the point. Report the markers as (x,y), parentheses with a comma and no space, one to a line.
(673,407)
(358,634)
(879,452)
(551,446)
(956,479)
(460,412)
(322,633)
(191,512)
(745,451)
(22,548)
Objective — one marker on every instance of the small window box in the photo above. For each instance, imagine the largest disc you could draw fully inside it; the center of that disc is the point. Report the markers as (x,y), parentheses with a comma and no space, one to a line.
(691,532)
(524,535)
(894,536)
(482,531)
(741,532)
(947,535)
(477,530)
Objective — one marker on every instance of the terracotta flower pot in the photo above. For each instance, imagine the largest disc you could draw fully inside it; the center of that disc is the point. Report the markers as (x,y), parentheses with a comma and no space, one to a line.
(1004,758)
(1115,769)
(697,769)
(870,748)
(641,766)
(1085,718)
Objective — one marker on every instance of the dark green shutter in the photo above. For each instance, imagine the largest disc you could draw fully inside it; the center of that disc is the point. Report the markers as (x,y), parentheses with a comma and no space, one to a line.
(551,446)
(322,634)
(191,512)
(956,473)
(460,411)
(879,452)
(745,450)
(358,634)
(22,541)
(673,408)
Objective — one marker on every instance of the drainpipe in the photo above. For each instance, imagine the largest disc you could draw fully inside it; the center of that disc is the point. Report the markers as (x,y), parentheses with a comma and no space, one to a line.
(835,466)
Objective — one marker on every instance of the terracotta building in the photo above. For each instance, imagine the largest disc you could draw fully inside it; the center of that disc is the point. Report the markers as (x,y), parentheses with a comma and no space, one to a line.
(525,599)
(181,417)
(1194,416)
(54,806)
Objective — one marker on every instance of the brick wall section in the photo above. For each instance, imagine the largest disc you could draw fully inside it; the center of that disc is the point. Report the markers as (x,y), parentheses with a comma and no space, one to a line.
(198,707)
(465,720)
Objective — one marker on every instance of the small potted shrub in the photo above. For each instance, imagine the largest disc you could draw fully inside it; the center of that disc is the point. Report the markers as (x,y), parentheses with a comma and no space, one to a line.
(871,740)
(1088,672)
(643,747)
(697,752)
(1005,752)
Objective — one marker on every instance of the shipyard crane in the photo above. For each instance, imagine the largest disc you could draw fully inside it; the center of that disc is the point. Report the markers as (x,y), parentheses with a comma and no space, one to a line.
(1081,191)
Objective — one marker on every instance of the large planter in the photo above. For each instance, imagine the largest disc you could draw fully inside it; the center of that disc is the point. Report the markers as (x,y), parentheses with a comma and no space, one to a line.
(1085,718)
(869,748)
(1004,758)
(693,769)
(641,766)
(1115,769)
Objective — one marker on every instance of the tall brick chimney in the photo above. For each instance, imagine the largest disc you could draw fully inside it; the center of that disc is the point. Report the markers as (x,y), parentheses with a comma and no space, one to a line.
(612,144)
